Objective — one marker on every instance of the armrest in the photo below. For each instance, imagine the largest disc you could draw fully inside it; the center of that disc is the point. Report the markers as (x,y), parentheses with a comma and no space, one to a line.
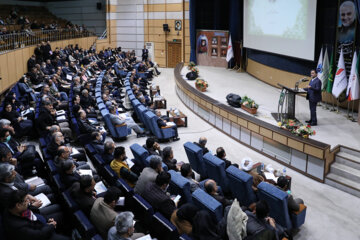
(301,208)
(166,127)
(121,125)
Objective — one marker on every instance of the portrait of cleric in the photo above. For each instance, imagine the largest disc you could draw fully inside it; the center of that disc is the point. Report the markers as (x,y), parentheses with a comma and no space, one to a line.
(202,44)
(347,23)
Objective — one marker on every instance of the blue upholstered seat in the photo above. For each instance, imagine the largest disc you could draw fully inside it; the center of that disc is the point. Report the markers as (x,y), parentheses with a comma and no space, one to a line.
(205,201)
(140,154)
(278,203)
(161,228)
(160,133)
(215,169)
(240,185)
(83,225)
(195,157)
(180,186)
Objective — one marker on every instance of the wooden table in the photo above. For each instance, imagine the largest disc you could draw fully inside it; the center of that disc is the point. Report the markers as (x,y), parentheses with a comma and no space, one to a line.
(159,103)
(180,120)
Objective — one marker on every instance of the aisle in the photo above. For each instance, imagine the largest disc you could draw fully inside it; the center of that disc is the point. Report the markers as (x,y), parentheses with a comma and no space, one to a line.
(330,213)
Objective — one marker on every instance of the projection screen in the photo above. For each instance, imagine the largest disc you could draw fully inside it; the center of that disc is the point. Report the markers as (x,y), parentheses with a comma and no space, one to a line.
(285,27)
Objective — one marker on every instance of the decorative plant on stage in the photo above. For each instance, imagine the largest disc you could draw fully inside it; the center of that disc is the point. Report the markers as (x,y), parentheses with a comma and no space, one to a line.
(191,65)
(201,84)
(248,102)
(194,71)
(297,128)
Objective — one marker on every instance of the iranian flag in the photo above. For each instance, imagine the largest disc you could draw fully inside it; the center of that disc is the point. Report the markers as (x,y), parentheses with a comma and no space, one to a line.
(340,81)
(353,87)
(230,52)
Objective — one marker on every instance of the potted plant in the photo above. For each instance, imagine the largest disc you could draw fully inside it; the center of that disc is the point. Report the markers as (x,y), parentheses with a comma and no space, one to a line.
(249,105)
(194,71)
(201,84)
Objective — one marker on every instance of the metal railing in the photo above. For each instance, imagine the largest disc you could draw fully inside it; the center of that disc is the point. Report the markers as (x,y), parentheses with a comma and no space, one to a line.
(19,40)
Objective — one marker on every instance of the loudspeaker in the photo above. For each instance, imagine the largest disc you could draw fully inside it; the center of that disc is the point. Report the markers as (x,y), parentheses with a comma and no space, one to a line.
(98,5)
(166,27)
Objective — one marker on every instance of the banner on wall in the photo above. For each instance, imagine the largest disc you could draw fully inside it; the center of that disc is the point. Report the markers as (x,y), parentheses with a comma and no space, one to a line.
(345,35)
(211,48)
(150,46)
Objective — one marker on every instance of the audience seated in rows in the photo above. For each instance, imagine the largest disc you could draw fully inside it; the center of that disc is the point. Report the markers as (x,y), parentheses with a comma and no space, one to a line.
(148,174)
(121,168)
(124,227)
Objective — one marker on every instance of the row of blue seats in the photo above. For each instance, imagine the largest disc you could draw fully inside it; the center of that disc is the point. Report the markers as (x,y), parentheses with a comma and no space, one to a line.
(148,118)
(239,183)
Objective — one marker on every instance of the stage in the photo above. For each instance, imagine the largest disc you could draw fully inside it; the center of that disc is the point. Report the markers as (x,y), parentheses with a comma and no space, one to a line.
(333,128)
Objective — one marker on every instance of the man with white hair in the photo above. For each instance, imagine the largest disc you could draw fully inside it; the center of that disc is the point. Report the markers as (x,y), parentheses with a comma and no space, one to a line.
(347,16)
(124,228)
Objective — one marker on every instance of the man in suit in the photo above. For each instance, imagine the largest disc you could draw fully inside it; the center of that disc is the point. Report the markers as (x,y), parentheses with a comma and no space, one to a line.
(212,189)
(202,144)
(84,193)
(314,96)
(186,172)
(103,212)
(148,174)
(108,154)
(145,54)
(162,122)
(118,120)
(155,194)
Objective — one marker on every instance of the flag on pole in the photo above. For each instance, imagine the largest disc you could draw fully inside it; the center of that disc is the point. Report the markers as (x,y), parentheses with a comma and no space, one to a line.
(340,81)
(330,80)
(230,52)
(325,71)
(354,82)
(319,67)
(352,76)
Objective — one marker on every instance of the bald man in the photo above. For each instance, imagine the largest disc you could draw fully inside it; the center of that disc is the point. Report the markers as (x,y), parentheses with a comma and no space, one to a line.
(202,144)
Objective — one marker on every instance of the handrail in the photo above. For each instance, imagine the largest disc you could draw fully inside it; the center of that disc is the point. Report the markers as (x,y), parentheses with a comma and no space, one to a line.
(20,40)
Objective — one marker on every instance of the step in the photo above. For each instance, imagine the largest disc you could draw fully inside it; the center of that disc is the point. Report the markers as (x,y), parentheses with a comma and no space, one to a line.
(345,171)
(348,160)
(343,184)
(350,151)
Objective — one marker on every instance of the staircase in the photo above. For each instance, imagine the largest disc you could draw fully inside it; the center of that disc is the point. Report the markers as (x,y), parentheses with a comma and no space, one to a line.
(345,171)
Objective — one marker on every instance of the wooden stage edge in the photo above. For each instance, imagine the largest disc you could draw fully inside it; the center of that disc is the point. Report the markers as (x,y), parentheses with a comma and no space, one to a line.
(307,156)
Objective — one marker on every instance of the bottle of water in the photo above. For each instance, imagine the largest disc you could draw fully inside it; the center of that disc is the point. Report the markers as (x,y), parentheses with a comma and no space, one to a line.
(33,171)
(284,171)
(262,167)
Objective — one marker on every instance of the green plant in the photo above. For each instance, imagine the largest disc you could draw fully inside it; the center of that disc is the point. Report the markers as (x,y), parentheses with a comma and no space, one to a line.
(248,102)
(195,70)
(201,83)
(191,65)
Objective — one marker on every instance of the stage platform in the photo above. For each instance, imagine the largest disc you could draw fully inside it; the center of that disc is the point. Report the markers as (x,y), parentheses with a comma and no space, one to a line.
(333,128)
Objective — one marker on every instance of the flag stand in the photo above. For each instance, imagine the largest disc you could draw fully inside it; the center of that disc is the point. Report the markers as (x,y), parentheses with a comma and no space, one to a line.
(333,106)
(348,110)
(352,112)
(337,106)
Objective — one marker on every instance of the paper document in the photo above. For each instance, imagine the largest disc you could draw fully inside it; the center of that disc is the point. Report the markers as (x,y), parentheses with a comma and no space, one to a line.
(146,237)
(85,172)
(129,163)
(269,175)
(74,151)
(100,187)
(170,124)
(60,112)
(35,181)
(63,117)
(44,199)
(69,77)
(121,201)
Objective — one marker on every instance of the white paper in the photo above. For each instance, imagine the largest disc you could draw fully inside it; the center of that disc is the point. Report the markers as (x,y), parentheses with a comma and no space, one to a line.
(74,151)
(129,162)
(100,187)
(121,201)
(170,124)
(85,172)
(60,112)
(35,181)
(69,77)
(44,199)
(270,176)
(63,117)
(176,199)
(23,113)
(146,237)
(92,121)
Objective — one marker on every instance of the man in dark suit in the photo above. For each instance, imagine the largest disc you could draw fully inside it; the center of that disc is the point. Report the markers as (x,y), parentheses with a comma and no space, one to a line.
(155,194)
(212,189)
(84,193)
(145,54)
(314,96)
(108,154)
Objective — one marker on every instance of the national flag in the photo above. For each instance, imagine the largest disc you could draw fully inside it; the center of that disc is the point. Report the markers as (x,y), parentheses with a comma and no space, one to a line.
(330,80)
(319,67)
(325,71)
(354,93)
(352,76)
(230,52)
(340,81)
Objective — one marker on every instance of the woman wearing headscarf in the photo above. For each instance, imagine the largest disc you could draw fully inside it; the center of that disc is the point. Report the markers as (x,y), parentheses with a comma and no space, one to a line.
(182,218)
(204,227)
(22,126)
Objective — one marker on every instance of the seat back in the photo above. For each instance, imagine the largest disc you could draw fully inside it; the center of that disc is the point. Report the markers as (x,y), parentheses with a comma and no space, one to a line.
(142,111)
(195,157)
(180,186)
(147,163)
(83,225)
(140,154)
(277,200)
(215,169)
(108,174)
(69,201)
(205,201)
(141,208)
(124,187)
(240,185)
(161,228)
(110,125)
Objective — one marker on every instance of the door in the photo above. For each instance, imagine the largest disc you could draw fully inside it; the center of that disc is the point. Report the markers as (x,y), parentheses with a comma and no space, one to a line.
(173,54)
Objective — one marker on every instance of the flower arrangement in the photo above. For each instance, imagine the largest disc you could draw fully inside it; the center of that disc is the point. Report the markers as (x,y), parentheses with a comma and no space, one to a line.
(297,128)
(201,84)
(248,102)
(191,65)
(195,70)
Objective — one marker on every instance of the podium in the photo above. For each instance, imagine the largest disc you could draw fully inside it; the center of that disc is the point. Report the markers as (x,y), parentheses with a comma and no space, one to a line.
(287,98)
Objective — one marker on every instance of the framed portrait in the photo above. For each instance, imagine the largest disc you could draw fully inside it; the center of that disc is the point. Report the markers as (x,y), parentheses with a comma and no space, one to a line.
(178,25)
(223,41)
(223,52)
(214,41)
(214,52)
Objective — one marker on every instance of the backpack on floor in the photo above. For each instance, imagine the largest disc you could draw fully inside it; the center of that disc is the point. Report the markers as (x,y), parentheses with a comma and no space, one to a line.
(234,100)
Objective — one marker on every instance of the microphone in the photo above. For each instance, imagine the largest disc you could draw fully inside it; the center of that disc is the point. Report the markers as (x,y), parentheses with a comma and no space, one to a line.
(304,80)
